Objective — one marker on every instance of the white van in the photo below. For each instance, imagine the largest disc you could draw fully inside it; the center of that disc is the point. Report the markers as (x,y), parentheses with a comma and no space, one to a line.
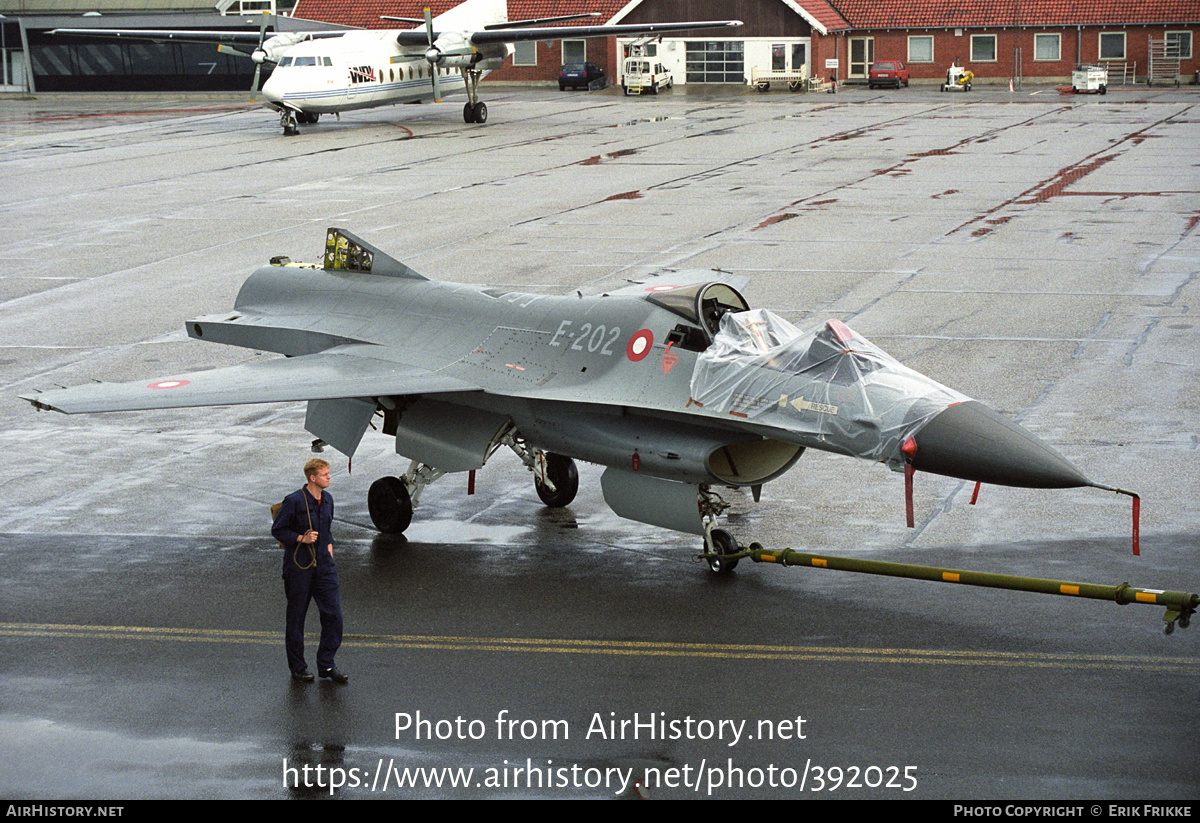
(643,74)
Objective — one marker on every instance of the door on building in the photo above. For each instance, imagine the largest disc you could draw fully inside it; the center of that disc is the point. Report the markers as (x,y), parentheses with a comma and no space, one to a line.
(862,54)
(789,57)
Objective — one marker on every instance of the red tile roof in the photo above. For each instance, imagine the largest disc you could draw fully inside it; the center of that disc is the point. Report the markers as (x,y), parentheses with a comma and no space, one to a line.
(366,13)
(824,13)
(904,14)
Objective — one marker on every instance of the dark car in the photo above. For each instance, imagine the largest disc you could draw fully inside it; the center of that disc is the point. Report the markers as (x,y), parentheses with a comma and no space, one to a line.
(579,75)
(887,73)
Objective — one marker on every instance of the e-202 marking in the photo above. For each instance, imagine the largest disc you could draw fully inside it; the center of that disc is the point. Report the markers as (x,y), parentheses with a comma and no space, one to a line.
(597,338)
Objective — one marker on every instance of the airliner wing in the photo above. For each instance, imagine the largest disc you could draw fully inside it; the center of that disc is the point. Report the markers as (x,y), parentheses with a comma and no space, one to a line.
(343,372)
(193,35)
(419,37)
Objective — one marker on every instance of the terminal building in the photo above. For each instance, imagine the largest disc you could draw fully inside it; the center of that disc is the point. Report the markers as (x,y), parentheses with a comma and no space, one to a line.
(1138,41)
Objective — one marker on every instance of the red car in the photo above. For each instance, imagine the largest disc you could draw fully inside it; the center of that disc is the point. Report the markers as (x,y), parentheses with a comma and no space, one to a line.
(887,73)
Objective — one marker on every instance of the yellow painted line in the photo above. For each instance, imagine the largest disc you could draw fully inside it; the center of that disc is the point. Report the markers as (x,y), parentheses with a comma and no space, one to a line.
(1065,589)
(646,648)
(1146,597)
(950,577)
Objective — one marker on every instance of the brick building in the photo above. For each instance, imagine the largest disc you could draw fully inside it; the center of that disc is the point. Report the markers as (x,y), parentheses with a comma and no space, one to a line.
(998,40)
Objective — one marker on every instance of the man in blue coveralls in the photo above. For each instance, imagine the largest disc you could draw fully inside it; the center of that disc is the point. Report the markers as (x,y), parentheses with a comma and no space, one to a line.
(304,526)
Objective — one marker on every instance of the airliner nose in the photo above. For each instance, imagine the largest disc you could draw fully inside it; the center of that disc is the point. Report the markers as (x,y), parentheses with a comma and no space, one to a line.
(973,442)
(271,90)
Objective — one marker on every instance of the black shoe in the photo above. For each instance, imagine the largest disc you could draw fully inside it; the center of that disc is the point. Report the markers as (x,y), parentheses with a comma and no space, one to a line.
(303,677)
(334,674)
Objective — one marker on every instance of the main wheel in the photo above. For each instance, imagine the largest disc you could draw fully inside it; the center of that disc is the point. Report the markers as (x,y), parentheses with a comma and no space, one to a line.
(468,113)
(562,473)
(390,505)
(723,543)
(480,112)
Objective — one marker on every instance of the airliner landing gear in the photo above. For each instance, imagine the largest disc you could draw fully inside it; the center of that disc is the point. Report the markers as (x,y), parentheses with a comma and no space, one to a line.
(287,120)
(475,111)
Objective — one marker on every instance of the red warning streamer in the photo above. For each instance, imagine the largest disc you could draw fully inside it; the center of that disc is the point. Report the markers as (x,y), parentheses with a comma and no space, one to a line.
(909,471)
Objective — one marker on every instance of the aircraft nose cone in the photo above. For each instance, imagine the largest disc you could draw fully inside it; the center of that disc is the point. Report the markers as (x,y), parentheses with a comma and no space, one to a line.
(974,442)
(271,90)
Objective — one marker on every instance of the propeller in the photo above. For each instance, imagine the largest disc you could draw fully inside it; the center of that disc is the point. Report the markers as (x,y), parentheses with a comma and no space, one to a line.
(259,55)
(433,54)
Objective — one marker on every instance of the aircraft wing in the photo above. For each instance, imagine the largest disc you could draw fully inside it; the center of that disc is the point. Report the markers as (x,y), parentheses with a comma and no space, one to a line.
(191,36)
(343,372)
(419,37)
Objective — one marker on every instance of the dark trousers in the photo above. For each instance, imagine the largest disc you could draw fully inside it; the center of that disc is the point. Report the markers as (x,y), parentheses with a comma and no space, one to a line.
(320,585)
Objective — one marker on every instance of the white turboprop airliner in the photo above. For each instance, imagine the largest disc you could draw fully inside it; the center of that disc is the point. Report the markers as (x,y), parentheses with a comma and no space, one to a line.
(327,72)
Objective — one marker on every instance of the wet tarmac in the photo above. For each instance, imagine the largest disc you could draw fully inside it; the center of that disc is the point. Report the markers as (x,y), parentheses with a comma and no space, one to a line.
(1037,251)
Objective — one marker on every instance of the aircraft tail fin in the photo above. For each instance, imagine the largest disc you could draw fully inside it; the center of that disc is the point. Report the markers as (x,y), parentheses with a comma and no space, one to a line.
(348,252)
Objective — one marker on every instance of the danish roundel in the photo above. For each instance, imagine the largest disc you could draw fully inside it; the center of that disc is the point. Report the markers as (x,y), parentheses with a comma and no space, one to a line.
(168,384)
(640,345)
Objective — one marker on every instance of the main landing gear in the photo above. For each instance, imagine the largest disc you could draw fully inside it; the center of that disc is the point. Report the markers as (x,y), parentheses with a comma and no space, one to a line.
(475,110)
(391,500)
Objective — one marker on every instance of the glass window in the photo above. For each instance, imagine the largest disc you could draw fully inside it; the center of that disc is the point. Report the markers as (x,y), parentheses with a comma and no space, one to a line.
(983,48)
(1112,45)
(1179,45)
(574,51)
(525,54)
(1047,47)
(799,56)
(920,49)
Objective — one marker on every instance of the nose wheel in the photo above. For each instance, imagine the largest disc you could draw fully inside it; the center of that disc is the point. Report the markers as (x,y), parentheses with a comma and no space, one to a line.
(719,543)
(289,123)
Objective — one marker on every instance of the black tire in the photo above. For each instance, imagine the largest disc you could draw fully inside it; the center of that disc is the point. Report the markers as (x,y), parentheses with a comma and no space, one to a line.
(763,87)
(468,113)
(723,543)
(480,112)
(565,477)
(390,505)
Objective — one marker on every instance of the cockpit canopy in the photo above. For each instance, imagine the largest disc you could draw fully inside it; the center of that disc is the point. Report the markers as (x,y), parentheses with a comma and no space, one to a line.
(702,305)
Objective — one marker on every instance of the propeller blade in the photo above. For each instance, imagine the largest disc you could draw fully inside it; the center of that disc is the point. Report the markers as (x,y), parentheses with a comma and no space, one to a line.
(224,49)
(262,36)
(431,55)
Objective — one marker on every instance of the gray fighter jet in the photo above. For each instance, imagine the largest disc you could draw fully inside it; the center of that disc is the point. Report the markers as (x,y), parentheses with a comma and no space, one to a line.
(673,384)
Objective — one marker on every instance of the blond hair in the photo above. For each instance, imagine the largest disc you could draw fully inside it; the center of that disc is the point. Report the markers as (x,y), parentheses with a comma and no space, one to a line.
(313,466)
